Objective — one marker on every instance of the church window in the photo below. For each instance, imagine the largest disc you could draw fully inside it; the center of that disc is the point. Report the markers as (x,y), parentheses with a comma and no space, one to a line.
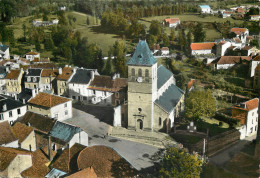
(160,121)
(140,73)
(133,72)
(147,75)
(140,110)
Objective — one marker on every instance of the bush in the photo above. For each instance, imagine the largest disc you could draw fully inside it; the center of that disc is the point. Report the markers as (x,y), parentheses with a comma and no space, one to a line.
(220,124)
(225,118)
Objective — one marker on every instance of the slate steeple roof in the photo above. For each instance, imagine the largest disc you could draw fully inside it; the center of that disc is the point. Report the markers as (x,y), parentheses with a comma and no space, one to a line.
(142,55)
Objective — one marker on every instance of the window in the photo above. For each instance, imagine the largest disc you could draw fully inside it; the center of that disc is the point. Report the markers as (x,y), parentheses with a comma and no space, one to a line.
(252,113)
(74,97)
(133,72)
(65,105)
(160,121)
(85,98)
(66,113)
(251,129)
(146,73)
(255,128)
(94,92)
(140,110)
(252,121)
(10,114)
(18,111)
(28,79)
(139,72)
(1,117)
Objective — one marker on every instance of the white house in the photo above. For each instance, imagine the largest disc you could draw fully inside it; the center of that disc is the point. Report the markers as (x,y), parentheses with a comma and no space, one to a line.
(165,51)
(222,47)
(79,83)
(247,114)
(241,33)
(226,14)
(11,109)
(254,64)
(4,51)
(202,48)
(172,22)
(254,17)
(62,8)
(55,21)
(205,9)
(31,55)
(225,62)
(51,105)
(7,137)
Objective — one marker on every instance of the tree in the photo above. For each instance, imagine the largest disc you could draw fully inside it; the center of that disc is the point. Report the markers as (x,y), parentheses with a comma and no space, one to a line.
(179,163)
(24,31)
(254,43)
(37,45)
(172,36)
(119,49)
(155,28)
(182,39)
(48,43)
(88,21)
(198,33)
(200,103)
(7,10)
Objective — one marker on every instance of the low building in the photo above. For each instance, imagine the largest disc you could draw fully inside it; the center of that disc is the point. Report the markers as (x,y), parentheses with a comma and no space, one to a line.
(202,48)
(240,10)
(172,22)
(225,62)
(204,9)
(32,55)
(226,14)
(4,52)
(254,17)
(247,114)
(165,51)
(241,33)
(11,109)
(51,105)
(14,161)
(32,78)
(13,82)
(156,48)
(63,78)
(7,137)
(26,136)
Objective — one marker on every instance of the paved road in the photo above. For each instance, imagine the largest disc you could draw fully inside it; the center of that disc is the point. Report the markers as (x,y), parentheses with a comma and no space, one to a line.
(138,154)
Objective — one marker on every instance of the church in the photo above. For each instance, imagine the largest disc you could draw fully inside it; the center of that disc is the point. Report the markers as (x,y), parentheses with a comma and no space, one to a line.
(154,100)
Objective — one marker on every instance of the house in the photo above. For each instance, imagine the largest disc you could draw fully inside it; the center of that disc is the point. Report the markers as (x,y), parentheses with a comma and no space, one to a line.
(4,52)
(32,78)
(63,78)
(102,159)
(172,22)
(202,48)
(247,49)
(51,105)
(222,47)
(55,21)
(240,10)
(13,81)
(67,160)
(226,62)
(7,137)
(247,114)
(62,8)
(26,136)
(48,81)
(254,17)
(41,60)
(204,9)
(39,22)
(256,84)
(146,80)
(165,51)
(64,135)
(241,33)
(32,55)
(14,161)
(11,109)
(226,14)
(12,64)
(156,48)
(79,83)
(3,72)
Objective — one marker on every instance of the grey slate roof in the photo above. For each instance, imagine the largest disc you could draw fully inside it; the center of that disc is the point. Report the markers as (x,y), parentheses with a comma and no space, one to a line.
(34,72)
(10,103)
(3,72)
(142,55)
(55,173)
(82,76)
(170,98)
(3,47)
(63,131)
(163,75)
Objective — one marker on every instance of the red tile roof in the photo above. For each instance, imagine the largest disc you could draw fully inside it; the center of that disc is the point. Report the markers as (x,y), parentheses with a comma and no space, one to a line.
(47,100)
(14,74)
(240,10)
(202,46)
(48,72)
(156,47)
(232,59)
(252,104)
(172,20)
(6,134)
(190,84)
(66,73)
(165,49)
(257,67)
(237,40)
(238,31)
(21,131)
(32,53)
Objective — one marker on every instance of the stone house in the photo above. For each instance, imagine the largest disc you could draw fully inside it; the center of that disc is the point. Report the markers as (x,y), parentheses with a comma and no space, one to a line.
(26,136)
(202,48)
(14,161)
(172,22)
(204,9)
(32,55)
(154,101)
(51,105)
(48,80)
(4,52)
(7,137)
(13,82)
(63,78)
(32,78)
(247,114)
(11,109)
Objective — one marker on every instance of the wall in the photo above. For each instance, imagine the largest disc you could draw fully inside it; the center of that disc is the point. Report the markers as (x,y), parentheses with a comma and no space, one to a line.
(224,66)
(14,86)
(13,144)
(160,113)
(60,110)
(39,110)
(117,116)
(7,54)
(198,52)
(30,140)
(253,66)
(252,122)
(18,165)
(15,114)
(81,137)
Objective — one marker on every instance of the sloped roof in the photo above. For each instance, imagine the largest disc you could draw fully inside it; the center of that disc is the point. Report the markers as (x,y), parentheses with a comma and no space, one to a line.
(105,162)
(63,131)
(232,59)
(82,76)
(202,46)
(34,72)
(142,55)
(101,82)
(7,155)
(38,122)
(32,53)
(257,58)
(87,172)
(172,20)
(252,104)
(67,161)
(3,47)
(119,84)
(6,134)
(204,6)
(170,98)
(49,72)
(190,84)
(238,31)
(66,73)
(47,100)
(21,131)
(10,104)
(44,66)
(14,74)
(163,75)
(257,67)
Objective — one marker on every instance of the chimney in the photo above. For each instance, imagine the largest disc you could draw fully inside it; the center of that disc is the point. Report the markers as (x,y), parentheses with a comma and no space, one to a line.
(92,74)
(49,149)
(4,107)
(15,96)
(74,70)
(7,69)
(60,70)
(28,124)
(23,101)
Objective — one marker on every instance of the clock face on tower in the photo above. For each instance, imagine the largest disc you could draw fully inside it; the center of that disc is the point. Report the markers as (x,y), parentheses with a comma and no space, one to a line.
(139,79)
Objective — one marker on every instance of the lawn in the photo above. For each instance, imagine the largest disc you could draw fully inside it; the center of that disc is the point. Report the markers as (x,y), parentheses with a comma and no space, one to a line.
(188,139)
(214,121)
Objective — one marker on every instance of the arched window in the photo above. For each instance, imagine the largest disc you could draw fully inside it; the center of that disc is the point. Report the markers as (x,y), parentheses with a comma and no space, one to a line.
(133,72)
(160,121)
(147,73)
(139,72)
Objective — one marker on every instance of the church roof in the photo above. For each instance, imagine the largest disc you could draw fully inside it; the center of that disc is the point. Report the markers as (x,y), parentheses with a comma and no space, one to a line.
(170,98)
(163,76)
(142,55)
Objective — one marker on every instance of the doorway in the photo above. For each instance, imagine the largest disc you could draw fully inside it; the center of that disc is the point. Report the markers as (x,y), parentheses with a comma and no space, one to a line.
(139,124)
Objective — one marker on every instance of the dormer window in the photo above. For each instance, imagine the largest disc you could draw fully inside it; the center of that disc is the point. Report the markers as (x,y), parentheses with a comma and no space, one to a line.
(28,79)
(140,56)
(34,79)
